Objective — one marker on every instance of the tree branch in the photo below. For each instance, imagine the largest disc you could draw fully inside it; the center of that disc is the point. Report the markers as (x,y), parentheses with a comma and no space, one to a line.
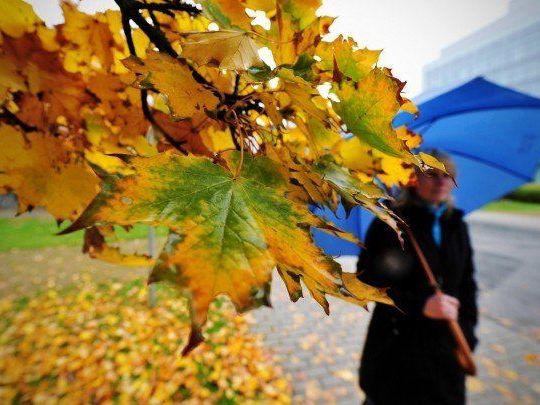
(150,117)
(12,119)
(144,93)
(129,8)
(153,16)
(236,83)
(168,7)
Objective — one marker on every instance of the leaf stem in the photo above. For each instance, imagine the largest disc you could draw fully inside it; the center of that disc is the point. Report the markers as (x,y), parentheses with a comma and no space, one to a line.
(242,145)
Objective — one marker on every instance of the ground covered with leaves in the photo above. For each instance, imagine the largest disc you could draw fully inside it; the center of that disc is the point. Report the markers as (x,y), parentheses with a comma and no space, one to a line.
(100,342)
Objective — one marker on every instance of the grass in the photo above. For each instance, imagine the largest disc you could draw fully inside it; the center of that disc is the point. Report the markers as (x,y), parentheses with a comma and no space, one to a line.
(35,233)
(526,193)
(514,207)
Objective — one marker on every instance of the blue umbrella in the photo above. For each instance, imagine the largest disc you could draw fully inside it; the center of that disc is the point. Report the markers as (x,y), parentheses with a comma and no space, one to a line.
(491,132)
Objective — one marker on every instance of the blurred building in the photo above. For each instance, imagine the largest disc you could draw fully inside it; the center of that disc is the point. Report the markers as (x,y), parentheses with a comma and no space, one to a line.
(506,51)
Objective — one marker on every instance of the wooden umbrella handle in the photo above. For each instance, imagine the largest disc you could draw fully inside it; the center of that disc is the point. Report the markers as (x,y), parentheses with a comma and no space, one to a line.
(463,351)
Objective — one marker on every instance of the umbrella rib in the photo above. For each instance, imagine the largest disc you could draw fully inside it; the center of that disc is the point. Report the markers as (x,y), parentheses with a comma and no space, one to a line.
(492,164)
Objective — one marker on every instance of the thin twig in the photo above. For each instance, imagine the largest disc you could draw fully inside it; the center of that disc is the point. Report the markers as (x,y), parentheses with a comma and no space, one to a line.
(127,32)
(151,13)
(13,119)
(150,117)
(236,83)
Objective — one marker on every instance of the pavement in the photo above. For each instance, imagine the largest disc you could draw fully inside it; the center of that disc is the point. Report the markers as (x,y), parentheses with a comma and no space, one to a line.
(321,353)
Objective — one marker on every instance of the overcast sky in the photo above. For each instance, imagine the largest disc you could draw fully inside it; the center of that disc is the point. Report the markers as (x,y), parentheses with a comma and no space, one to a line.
(411,32)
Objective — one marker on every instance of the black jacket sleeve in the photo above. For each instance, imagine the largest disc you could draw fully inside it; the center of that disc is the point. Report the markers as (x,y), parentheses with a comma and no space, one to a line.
(384,263)
(468,310)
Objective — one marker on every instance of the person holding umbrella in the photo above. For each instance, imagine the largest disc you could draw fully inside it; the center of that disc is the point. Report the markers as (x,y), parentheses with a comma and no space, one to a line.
(410,355)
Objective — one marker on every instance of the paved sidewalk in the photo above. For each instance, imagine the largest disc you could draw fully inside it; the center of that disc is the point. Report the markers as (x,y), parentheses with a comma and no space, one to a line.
(321,354)
(497,219)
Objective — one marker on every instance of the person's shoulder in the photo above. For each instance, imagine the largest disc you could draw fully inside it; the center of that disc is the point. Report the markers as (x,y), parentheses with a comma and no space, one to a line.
(457,217)
(458,213)
(380,228)
(377,224)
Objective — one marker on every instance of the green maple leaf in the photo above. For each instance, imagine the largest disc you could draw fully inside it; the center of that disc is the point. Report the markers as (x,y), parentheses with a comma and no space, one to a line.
(229,231)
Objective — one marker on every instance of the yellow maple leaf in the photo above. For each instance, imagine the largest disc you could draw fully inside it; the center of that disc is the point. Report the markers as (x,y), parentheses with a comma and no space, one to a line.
(97,247)
(17,17)
(351,62)
(232,50)
(227,13)
(368,110)
(186,97)
(92,39)
(41,173)
(432,161)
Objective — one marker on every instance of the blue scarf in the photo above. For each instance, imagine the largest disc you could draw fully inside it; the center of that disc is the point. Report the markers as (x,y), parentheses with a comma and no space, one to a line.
(436,229)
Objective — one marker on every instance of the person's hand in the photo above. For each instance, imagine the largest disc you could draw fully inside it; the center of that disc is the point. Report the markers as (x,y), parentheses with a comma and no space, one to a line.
(441,306)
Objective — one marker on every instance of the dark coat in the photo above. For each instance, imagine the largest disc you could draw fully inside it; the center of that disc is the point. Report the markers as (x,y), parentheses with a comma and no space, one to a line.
(408,357)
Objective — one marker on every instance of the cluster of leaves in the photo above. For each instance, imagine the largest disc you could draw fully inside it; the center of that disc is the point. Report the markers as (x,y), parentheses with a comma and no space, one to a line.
(101,343)
(165,113)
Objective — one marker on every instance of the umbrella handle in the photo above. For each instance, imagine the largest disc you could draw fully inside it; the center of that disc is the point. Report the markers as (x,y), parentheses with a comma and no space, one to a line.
(463,351)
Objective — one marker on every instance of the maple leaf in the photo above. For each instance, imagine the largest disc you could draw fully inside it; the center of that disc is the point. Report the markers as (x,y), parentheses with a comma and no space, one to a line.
(353,63)
(295,31)
(91,40)
(347,185)
(432,161)
(62,94)
(357,155)
(324,138)
(17,18)
(184,132)
(233,50)
(216,139)
(368,110)
(43,174)
(228,232)
(38,72)
(301,93)
(355,192)
(10,79)
(362,292)
(185,96)
(227,13)
(303,11)
(97,247)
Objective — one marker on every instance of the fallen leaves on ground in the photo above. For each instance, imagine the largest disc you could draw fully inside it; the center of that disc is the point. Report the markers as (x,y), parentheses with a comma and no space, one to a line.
(101,342)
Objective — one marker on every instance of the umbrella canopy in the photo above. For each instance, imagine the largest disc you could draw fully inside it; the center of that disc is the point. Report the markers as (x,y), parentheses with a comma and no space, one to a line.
(491,132)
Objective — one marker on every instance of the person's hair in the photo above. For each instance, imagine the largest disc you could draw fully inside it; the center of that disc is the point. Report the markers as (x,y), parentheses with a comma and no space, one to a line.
(407,195)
